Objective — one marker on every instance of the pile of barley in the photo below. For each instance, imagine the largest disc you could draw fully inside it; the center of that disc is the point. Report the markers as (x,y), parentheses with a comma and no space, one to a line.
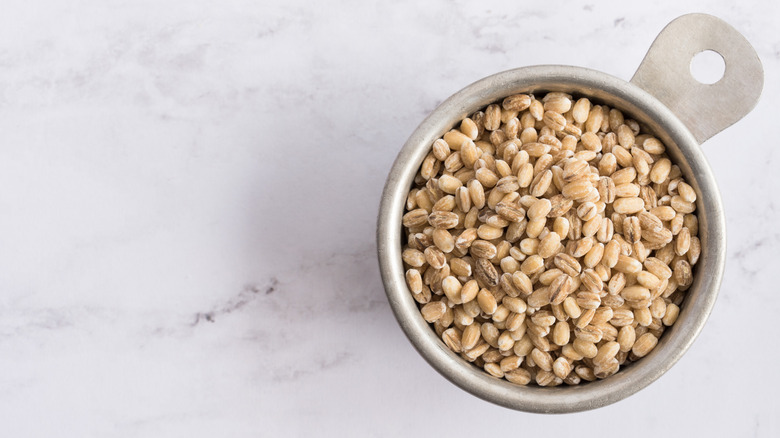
(548,240)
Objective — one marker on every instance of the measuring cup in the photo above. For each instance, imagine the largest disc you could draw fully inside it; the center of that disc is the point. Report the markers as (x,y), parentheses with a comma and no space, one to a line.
(669,103)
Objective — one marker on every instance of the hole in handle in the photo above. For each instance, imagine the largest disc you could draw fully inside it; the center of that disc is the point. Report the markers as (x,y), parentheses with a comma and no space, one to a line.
(708,67)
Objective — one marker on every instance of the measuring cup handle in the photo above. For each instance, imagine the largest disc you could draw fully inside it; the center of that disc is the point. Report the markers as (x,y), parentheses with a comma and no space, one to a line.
(706,109)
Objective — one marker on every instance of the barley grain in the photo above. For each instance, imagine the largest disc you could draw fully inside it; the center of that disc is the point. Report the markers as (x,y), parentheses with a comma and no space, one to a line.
(433,311)
(644,344)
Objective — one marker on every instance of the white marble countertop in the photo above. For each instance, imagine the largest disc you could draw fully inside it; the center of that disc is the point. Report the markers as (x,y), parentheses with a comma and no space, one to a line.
(188,193)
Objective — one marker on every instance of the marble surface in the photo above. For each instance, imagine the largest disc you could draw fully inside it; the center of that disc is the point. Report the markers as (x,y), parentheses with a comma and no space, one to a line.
(188,194)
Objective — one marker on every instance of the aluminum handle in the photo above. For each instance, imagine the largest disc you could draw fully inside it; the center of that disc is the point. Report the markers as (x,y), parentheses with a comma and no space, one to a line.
(706,109)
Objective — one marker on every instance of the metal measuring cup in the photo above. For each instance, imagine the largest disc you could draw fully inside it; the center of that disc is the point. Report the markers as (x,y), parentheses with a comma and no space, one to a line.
(668,102)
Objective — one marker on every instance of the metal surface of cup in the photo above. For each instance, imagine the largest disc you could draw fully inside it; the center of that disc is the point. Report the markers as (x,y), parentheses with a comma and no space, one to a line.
(668,103)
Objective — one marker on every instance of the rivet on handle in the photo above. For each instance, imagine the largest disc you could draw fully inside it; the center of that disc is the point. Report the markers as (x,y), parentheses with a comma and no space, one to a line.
(705,109)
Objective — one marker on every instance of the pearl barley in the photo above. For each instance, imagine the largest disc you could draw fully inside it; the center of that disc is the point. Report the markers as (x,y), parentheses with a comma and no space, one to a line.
(549,239)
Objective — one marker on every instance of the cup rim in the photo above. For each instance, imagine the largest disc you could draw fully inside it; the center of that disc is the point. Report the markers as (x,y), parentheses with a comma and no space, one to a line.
(681,146)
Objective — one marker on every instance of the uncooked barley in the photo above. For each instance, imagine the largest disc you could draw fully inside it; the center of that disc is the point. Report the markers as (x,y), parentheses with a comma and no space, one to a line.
(549,239)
